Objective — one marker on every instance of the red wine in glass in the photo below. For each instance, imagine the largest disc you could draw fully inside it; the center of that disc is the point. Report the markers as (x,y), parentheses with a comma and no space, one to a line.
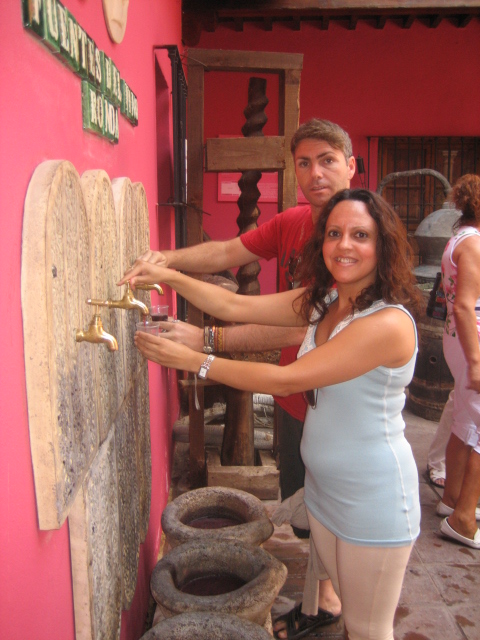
(159,317)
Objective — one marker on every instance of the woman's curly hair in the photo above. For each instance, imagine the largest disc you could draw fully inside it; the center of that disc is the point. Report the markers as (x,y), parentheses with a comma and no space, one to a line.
(466,197)
(394,282)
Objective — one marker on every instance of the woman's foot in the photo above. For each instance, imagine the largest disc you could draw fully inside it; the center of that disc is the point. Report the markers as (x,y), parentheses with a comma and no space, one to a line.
(295,624)
(436,478)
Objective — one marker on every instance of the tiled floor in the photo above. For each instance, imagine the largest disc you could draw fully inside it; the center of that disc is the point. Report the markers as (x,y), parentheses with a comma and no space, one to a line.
(441,591)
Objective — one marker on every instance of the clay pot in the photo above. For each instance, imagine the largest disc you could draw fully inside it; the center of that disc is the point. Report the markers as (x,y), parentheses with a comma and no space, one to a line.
(242,579)
(238,515)
(206,626)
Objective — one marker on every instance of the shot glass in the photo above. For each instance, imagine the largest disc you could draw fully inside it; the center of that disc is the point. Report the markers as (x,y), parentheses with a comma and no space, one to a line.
(159,313)
(149,326)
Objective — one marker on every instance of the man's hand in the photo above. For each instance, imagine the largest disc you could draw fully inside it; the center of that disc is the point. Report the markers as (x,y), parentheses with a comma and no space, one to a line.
(183,333)
(155,257)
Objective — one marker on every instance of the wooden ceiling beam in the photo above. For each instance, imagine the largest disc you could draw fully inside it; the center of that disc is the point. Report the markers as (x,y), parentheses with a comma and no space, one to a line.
(263,6)
(434,21)
(324,23)
(295,23)
(380,21)
(352,22)
(407,21)
(198,15)
(267,23)
(462,21)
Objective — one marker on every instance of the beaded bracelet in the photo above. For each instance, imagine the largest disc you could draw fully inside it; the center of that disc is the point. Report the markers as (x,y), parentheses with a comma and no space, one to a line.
(219,343)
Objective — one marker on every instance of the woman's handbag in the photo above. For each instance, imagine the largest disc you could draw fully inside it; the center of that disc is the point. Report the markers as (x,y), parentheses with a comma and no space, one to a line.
(437,304)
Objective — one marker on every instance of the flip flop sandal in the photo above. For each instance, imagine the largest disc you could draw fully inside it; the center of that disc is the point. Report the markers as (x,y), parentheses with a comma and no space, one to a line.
(435,479)
(299,624)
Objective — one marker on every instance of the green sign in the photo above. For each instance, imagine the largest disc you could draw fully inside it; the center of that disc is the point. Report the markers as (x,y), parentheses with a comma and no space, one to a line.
(104,92)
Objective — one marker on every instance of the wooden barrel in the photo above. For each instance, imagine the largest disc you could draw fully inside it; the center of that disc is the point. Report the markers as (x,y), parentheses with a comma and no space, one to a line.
(432,380)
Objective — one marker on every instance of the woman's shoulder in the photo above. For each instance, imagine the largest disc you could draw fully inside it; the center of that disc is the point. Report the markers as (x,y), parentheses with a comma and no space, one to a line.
(380,305)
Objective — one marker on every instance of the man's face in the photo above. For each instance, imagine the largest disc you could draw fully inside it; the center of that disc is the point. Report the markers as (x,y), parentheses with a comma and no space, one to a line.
(321,171)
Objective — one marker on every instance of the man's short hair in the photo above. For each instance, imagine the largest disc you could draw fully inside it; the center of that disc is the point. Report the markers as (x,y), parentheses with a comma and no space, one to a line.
(323,130)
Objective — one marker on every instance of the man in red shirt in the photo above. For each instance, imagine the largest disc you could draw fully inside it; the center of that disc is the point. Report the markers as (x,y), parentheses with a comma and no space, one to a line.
(324,164)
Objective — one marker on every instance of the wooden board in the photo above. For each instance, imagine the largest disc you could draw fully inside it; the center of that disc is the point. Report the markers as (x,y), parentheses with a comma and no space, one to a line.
(142,226)
(59,371)
(245,61)
(105,272)
(94,550)
(242,154)
(261,481)
(143,449)
(124,206)
(128,499)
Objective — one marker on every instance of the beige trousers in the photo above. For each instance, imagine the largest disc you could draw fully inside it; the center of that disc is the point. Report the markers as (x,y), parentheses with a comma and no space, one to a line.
(368,581)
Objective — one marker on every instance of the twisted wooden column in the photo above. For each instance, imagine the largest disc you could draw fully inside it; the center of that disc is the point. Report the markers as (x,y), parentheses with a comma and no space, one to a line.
(238,446)
(247,275)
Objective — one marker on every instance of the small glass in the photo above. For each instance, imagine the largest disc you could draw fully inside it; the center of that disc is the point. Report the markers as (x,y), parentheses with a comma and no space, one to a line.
(149,327)
(159,313)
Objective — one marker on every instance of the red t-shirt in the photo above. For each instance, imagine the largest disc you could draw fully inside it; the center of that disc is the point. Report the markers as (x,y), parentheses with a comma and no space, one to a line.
(283,237)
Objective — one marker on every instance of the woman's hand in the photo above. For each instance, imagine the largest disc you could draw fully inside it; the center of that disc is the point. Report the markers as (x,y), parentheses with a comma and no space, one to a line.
(183,333)
(167,353)
(144,272)
(474,377)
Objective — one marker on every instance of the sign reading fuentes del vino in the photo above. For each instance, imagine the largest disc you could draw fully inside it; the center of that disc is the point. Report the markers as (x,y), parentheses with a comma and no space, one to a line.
(103,90)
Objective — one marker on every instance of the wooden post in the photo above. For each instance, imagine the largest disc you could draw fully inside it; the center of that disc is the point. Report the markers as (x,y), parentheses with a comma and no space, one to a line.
(194,236)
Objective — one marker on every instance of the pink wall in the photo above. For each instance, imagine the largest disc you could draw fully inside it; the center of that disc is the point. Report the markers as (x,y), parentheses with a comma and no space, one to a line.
(393,81)
(41,119)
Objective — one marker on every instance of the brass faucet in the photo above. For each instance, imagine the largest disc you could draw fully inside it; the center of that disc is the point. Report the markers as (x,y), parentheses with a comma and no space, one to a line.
(96,334)
(150,287)
(127,302)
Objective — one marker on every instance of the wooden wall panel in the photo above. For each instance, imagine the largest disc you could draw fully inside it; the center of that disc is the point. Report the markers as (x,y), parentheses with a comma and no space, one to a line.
(59,371)
(94,549)
(88,407)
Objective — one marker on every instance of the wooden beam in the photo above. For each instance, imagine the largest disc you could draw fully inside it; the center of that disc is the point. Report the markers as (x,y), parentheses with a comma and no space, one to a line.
(380,22)
(462,21)
(243,154)
(267,23)
(187,383)
(407,21)
(195,112)
(434,21)
(316,5)
(238,22)
(352,22)
(289,95)
(247,61)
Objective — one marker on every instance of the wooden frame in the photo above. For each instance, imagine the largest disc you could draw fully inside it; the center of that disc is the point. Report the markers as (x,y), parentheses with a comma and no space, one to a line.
(235,154)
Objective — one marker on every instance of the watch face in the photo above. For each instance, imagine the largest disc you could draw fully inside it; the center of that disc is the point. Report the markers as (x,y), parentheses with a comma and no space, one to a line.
(203,372)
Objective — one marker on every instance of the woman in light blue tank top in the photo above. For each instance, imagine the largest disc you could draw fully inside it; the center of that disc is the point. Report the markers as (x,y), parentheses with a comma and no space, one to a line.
(361,487)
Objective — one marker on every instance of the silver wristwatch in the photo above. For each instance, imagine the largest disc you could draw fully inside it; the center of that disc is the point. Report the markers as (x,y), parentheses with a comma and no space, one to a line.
(203,371)
(208,340)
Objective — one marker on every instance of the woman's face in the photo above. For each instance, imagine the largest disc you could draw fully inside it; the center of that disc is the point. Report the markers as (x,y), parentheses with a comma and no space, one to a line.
(350,244)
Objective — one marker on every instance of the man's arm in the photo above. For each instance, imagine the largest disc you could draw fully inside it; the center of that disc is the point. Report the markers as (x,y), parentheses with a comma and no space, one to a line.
(242,337)
(206,257)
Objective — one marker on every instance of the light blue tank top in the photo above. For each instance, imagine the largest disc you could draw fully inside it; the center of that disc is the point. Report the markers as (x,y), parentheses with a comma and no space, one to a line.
(361,479)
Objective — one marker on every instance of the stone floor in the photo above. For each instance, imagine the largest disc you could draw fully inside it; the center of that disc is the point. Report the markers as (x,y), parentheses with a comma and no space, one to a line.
(441,592)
